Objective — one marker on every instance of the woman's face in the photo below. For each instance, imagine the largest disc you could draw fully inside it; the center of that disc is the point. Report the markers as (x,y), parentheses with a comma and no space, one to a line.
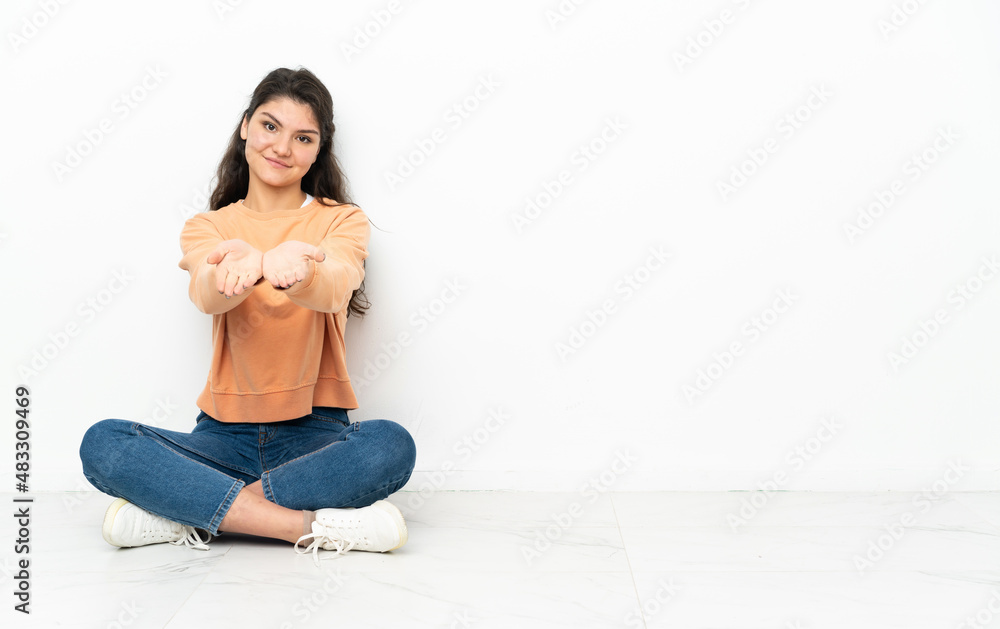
(282,142)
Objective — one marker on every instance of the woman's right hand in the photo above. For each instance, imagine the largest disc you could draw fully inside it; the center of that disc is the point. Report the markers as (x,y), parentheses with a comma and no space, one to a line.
(238,266)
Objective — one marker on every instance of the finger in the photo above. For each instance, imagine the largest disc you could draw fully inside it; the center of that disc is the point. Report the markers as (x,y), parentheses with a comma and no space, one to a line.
(231,280)
(275,279)
(239,286)
(253,277)
(319,255)
(220,279)
(246,281)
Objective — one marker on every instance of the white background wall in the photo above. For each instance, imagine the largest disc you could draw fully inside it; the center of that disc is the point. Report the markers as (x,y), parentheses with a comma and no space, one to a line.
(888,93)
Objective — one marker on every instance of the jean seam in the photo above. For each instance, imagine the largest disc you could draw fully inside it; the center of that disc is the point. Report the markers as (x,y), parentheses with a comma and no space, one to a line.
(220,513)
(265,475)
(265,484)
(300,457)
(213,526)
(307,454)
(227,464)
(184,456)
(262,439)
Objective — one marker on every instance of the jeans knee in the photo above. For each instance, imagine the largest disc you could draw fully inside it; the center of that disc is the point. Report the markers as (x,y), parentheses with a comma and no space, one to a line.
(399,442)
(97,441)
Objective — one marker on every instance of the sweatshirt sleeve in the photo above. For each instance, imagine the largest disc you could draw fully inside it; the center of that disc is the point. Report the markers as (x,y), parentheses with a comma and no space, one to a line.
(198,238)
(332,282)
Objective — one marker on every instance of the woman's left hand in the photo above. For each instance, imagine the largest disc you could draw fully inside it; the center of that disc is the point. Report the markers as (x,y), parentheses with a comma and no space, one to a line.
(288,263)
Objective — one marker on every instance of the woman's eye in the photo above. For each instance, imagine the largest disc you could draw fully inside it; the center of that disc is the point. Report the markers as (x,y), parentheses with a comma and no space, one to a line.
(305,138)
(269,126)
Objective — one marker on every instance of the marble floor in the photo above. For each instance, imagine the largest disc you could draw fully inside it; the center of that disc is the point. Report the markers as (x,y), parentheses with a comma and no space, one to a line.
(788,560)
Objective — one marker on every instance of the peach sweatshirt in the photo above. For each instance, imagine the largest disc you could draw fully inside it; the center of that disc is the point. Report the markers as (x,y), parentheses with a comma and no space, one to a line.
(277,353)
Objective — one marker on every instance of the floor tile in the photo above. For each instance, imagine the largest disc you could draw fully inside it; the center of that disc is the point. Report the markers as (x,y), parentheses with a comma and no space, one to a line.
(537,559)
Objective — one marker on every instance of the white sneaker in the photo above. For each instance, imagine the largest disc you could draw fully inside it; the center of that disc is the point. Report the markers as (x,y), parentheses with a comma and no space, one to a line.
(376,528)
(126,525)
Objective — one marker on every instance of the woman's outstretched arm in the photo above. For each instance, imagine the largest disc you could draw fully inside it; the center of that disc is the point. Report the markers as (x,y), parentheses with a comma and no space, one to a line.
(328,285)
(218,267)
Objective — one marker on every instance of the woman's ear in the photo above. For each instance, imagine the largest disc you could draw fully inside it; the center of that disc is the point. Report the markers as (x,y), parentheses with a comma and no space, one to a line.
(243,127)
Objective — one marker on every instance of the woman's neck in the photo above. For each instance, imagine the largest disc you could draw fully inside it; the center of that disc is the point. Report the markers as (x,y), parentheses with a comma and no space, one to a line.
(274,199)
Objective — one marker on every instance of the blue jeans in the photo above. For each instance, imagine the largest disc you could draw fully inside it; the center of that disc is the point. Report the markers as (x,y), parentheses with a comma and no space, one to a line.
(313,462)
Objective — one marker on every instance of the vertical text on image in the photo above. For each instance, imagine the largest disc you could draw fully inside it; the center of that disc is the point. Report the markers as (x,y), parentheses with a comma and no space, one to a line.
(22,505)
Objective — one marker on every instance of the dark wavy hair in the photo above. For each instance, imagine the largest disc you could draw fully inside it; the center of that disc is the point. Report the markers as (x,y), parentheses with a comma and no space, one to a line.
(325,179)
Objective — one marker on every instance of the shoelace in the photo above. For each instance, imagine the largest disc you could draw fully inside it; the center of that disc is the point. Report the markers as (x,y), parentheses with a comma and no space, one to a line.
(192,539)
(329,534)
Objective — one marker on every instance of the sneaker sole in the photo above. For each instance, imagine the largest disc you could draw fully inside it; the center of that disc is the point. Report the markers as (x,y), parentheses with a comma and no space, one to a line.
(397,517)
(109,520)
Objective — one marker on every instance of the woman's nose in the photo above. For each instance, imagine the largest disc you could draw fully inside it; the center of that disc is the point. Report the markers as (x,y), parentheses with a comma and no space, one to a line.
(283,145)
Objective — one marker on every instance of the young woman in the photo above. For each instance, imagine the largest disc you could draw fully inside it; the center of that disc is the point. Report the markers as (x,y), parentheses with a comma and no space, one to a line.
(278,262)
